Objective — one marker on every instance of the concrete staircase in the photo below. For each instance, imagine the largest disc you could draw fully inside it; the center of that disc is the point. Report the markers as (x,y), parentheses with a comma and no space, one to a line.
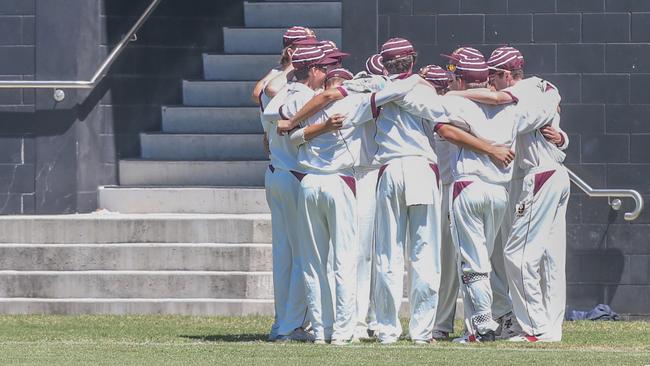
(188,230)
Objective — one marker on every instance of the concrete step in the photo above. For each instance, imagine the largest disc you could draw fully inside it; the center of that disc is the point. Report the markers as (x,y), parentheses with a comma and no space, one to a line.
(264,41)
(162,146)
(234,120)
(237,67)
(170,306)
(287,14)
(194,200)
(218,93)
(136,284)
(134,306)
(100,228)
(192,173)
(136,257)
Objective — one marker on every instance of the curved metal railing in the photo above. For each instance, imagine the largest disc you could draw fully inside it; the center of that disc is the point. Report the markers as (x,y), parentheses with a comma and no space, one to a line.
(612,195)
(101,71)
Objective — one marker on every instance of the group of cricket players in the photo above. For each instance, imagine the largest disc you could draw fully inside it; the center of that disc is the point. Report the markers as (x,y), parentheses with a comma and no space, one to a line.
(434,180)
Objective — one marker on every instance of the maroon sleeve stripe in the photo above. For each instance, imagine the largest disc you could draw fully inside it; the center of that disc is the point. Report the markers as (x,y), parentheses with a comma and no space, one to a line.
(373,105)
(515,100)
(343,91)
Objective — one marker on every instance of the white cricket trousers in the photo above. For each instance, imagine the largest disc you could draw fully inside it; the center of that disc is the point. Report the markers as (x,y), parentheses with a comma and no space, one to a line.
(395,222)
(282,189)
(477,209)
(448,293)
(366,204)
(536,251)
(328,211)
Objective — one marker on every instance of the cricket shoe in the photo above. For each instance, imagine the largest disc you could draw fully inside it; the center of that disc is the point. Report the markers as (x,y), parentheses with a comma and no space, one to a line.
(525,338)
(508,327)
(363,334)
(388,340)
(424,342)
(298,335)
(343,342)
(465,339)
(489,336)
(273,335)
(439,335)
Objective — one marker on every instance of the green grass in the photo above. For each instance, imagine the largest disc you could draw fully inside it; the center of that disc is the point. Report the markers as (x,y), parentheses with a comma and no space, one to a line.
(177,340)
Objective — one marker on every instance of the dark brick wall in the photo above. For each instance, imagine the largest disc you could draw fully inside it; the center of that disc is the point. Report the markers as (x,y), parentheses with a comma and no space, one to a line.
(54,156)
(594,51)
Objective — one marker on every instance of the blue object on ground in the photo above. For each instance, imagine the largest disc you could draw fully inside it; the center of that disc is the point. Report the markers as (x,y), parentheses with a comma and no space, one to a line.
(600,312)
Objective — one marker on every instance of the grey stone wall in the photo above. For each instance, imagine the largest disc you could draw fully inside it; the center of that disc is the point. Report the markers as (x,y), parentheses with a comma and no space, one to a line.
(596,51)
(53,156)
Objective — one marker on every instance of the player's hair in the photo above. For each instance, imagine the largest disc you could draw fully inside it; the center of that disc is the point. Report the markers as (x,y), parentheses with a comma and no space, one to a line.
(301,74)
(285,59)
(400,65)
(517,74)
(334,81)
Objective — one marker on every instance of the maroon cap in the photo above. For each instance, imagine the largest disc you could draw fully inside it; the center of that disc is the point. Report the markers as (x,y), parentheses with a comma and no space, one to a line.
(307,56)
(299,36)
(340,73)
(469,64)
(506,58)
(437,76)
(396,48)
(331,50)
(374,65)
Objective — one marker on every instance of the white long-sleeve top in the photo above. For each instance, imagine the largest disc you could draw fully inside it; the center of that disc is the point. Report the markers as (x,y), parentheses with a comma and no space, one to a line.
(496,124)
(337,151)
(399,133)
(284,153)
(533,151)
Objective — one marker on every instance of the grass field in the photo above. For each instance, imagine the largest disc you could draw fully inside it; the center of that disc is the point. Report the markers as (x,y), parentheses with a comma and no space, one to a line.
(176,340)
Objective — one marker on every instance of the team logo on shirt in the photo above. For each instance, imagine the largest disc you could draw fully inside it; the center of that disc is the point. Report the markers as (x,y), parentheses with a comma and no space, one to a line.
(521,209)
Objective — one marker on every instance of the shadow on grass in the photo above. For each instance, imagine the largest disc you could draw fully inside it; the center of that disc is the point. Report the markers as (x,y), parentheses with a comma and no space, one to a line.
(227,337)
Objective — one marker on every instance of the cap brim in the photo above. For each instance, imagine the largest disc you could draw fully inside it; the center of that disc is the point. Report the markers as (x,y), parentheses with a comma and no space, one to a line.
(338,54)
(450,57)
(327,61)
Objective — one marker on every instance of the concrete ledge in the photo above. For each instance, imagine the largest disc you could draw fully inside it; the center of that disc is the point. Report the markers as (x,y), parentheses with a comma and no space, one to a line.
(164,146)
(208,200)
(266,41)
(135,257)
(233,120)
(131,228)
(137,284)
(312,14)
(192,173)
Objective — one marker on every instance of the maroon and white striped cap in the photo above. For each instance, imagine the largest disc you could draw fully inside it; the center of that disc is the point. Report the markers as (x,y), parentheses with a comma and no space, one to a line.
(396,48)
(306,56)
(340,73)
(331,50)
(374,65)
(506,58)
(437,76)
(469,64)
(299,36)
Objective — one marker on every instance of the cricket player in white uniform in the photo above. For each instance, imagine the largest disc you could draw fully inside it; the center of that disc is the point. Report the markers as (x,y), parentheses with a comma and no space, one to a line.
(310,71)
(282,183)
(535,250)
(448,293)
(408,206)
(478,196)
(330,213)
(288,289)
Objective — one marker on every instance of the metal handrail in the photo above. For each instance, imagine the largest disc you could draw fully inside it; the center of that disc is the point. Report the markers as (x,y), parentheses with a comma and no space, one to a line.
(612,195)
(99,74)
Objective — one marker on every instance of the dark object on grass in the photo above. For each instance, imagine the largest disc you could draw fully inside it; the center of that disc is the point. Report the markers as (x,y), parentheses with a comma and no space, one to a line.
(600,312)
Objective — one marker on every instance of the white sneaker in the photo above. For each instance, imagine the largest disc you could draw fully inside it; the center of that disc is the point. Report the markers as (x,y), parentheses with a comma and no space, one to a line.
(424,342)
(387,340)
(363,334)
(508,327)
(342,342)
(439,334)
